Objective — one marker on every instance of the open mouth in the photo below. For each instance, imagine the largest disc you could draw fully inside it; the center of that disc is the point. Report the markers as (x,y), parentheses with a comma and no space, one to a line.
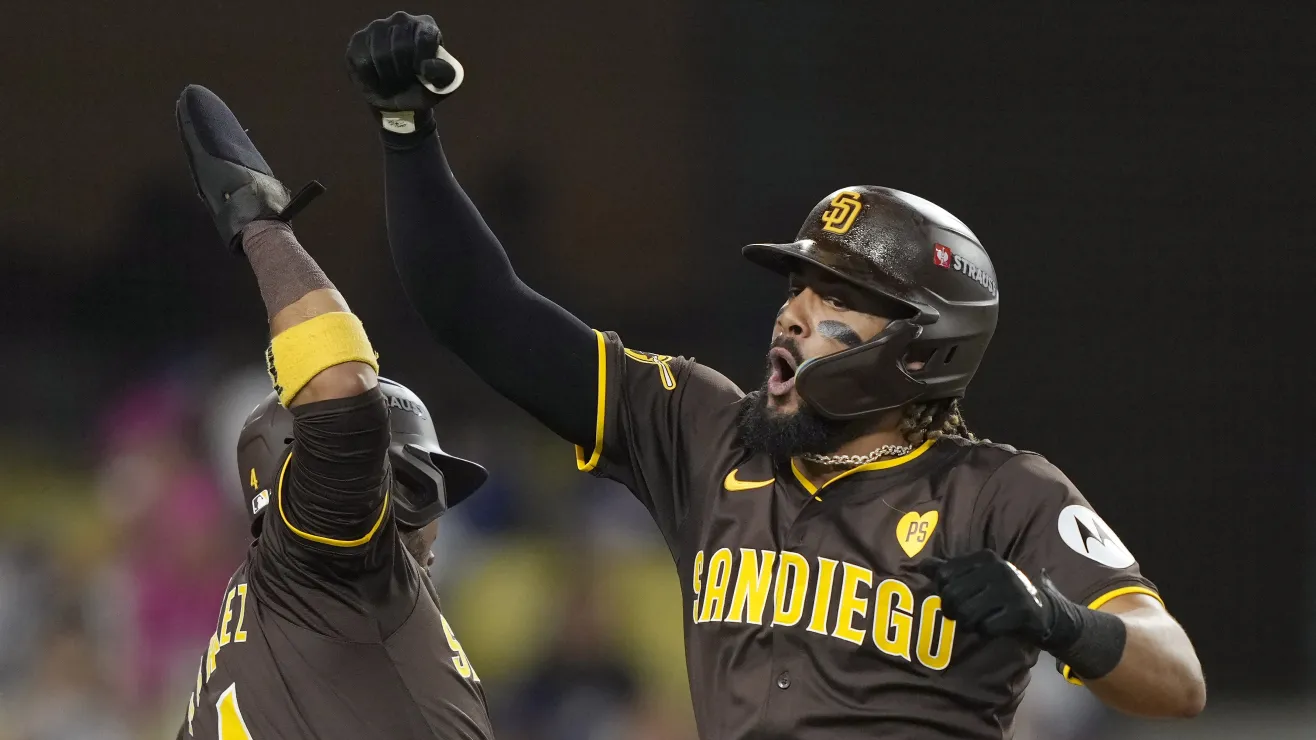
(781,377)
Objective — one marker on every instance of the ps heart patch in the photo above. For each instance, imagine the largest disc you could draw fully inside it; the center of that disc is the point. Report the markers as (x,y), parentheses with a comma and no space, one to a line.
(914,530)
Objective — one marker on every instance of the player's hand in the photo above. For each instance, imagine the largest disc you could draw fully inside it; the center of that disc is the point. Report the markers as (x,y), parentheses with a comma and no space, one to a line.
(232,178)
(991,596)
(402,69)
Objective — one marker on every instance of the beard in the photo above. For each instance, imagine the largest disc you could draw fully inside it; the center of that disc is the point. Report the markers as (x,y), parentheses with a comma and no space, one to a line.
(801,432)
(414,541)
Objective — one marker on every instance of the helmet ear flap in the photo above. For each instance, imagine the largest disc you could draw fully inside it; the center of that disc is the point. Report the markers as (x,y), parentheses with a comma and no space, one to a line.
(261,450)
(863,380)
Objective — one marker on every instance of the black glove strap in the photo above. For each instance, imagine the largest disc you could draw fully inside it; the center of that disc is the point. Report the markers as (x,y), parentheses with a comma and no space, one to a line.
(1090,642)
(309,192)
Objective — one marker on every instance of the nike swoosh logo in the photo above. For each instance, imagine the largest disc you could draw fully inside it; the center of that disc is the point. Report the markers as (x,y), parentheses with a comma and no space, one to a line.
(733,484)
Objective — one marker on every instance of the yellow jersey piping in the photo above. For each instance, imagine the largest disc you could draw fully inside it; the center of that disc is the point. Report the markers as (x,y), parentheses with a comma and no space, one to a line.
(600,414)
(1104,599)
(383,509)
(914,454)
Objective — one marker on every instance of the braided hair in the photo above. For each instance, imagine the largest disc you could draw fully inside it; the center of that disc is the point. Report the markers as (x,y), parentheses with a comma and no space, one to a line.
(941,418)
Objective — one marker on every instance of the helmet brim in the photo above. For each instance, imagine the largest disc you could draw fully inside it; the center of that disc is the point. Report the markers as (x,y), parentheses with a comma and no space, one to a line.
(785,259)
(463,477)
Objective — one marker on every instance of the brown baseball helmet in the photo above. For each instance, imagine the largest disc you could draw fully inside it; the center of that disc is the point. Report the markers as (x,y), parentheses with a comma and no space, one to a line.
(426,480)
(932,269)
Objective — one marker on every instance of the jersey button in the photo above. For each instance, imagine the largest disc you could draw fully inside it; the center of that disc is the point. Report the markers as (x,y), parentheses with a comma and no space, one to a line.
(784,680)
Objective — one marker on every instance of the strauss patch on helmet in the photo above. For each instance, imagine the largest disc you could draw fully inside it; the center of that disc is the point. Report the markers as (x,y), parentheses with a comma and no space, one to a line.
(406,405)
(944,257)
(975,273)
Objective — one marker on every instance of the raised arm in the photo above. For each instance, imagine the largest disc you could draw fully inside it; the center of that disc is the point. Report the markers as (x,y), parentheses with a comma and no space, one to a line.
(329,488)
(455,272)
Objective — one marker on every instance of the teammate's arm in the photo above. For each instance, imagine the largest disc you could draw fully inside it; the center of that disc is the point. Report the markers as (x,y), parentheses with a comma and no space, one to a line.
(319,356)
(453,268)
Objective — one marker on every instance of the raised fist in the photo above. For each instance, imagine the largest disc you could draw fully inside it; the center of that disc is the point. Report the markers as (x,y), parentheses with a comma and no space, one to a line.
(402,69)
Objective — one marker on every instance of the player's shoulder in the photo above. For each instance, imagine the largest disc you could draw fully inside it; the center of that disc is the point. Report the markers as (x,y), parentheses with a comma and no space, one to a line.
(674,373)
(997,458)
(992,466)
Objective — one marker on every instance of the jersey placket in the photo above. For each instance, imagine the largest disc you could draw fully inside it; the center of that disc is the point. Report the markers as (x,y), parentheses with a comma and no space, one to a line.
(779,714)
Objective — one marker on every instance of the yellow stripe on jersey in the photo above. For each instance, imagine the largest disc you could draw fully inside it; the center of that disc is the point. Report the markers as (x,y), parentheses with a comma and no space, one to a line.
(600,414)
(1101,601)
(383,509)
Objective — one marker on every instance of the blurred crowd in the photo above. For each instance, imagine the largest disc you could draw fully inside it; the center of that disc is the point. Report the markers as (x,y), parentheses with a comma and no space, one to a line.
(558,585)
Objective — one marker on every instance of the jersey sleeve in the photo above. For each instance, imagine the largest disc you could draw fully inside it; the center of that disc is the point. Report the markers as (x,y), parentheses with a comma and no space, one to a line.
(330,500)
(655,414)
(1034,517)
(1037,519)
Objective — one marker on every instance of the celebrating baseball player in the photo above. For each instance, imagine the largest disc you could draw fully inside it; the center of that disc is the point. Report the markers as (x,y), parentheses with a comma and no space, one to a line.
(854,562)
(331,628)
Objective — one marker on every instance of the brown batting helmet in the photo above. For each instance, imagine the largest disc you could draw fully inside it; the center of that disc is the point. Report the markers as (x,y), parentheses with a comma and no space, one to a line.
(426,480)
(922,258)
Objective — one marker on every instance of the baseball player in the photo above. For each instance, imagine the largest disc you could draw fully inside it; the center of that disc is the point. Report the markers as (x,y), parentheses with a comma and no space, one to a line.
(331,628)
(854,562)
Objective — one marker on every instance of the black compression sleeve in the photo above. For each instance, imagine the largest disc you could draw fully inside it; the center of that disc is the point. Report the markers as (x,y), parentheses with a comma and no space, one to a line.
(335,479)
(458,278)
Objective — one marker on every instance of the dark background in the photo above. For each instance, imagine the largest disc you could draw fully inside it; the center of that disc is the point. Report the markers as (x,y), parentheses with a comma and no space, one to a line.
(1140,174)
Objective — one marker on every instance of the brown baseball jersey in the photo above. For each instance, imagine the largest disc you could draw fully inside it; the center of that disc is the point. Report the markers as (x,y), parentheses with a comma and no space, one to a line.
(330,629)
(805,614)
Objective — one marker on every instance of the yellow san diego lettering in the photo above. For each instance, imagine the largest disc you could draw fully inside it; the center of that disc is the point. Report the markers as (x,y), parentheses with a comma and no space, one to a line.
(753,583)
(822,596)
(699,573)
(894,618)
(789,614)
(938,660)
(719,573)
(902,626)
(851,603)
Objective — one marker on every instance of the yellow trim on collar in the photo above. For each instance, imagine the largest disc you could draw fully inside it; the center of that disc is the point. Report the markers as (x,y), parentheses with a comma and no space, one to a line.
(600,414)
(383,509)
(875,465)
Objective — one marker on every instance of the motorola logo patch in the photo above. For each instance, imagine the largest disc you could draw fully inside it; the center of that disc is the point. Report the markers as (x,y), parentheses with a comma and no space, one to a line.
(1089,536)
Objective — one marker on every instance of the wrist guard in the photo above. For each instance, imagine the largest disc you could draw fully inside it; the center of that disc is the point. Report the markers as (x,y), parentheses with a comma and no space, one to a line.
(1089,642)
(297,355)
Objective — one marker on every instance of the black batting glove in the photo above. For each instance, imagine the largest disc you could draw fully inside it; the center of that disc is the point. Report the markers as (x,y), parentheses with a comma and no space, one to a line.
(403,71)
(234,181)
(989,595)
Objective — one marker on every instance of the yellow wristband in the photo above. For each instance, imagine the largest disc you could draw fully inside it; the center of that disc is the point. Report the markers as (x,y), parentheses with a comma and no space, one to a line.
(297,355)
